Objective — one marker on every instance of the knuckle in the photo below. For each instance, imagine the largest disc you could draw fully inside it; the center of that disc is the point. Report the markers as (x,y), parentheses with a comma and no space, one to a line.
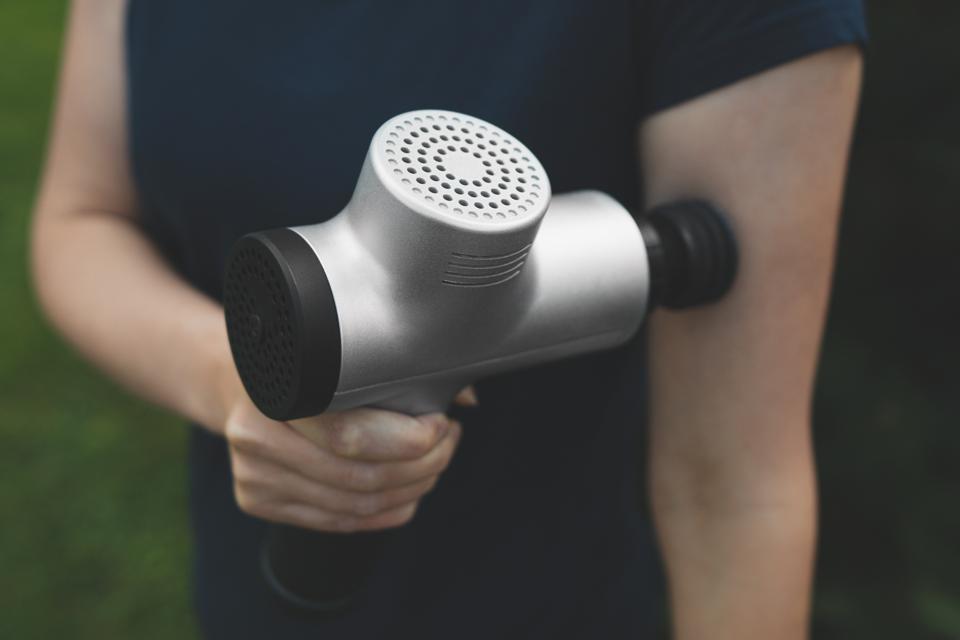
(235,421)
(234,432)
(403,516)
(243,474)
(247,502)
(441,463)
(244,438)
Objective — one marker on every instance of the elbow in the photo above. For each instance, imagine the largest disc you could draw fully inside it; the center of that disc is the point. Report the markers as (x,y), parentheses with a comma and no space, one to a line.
(52,263)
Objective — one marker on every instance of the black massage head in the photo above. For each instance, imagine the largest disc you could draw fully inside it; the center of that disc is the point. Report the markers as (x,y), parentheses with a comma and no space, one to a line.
(692,252)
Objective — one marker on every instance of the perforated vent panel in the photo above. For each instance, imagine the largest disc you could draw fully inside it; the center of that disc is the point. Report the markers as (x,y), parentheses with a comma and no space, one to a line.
(259,314)
(463,167)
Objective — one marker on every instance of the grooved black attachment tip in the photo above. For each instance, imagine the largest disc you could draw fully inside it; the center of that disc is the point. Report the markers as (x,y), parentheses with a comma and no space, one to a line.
(692,252)
(282,323)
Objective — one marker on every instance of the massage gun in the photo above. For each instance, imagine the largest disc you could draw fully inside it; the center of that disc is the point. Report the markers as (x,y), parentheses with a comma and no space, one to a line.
(451,262)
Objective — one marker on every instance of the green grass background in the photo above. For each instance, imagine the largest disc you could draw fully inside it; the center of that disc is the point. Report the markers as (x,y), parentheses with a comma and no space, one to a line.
(93,536)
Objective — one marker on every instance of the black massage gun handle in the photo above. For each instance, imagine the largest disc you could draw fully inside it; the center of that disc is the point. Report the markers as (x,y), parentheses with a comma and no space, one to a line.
(320,573)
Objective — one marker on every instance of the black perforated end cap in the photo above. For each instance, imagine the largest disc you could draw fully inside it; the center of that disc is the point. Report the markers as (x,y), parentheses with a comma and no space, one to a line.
(692,252)
(282,324)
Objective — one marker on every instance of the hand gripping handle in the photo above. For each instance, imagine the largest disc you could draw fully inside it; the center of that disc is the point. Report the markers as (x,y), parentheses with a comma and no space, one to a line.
(322,573)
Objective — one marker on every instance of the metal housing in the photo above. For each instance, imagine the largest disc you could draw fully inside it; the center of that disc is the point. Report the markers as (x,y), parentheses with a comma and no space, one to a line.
(430,297)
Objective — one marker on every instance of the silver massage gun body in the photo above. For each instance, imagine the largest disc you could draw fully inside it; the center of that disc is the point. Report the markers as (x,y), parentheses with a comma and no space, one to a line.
(450,263)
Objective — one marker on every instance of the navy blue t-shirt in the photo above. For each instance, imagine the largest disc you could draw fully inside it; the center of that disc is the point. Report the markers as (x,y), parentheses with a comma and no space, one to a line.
(248,115)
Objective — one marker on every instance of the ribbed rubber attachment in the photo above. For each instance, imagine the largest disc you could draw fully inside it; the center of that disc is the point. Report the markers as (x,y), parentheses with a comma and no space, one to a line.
(692,251)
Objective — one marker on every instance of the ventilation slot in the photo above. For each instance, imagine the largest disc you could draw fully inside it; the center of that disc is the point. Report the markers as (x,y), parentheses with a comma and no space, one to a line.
(465,270)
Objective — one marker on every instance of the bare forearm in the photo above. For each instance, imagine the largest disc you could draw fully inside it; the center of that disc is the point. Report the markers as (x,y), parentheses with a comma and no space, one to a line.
(731,478)
(739,557)
(100,280)
(104,286)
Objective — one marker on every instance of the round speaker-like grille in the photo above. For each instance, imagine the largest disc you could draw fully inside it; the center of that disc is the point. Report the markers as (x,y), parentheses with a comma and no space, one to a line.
(258,308)
(463,167)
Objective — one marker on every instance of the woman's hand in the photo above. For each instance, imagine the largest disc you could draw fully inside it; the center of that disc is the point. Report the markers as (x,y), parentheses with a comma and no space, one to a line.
(346,471)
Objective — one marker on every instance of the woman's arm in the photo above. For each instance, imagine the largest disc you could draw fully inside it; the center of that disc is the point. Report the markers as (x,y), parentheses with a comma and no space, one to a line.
(101,282)
(106,288)
(732,473)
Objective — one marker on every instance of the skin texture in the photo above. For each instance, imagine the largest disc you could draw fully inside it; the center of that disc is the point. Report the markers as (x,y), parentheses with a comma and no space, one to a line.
(731,467)
(732,472)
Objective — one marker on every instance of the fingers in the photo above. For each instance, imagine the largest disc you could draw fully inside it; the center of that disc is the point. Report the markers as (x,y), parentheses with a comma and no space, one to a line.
(259,482)
(375,435)
(359,470)
(358,475)
(274,442)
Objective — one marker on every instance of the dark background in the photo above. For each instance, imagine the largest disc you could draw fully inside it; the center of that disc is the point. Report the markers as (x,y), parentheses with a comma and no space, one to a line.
(93,536)
(886,413)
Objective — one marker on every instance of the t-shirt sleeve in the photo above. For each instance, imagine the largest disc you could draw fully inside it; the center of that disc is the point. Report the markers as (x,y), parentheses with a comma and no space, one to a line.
(690,47)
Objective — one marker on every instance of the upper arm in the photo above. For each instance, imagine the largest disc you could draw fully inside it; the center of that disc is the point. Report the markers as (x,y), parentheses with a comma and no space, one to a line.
(87,166)
(772,152)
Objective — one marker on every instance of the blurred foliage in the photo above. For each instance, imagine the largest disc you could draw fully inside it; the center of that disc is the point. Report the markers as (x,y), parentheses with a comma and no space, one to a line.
(94,539)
